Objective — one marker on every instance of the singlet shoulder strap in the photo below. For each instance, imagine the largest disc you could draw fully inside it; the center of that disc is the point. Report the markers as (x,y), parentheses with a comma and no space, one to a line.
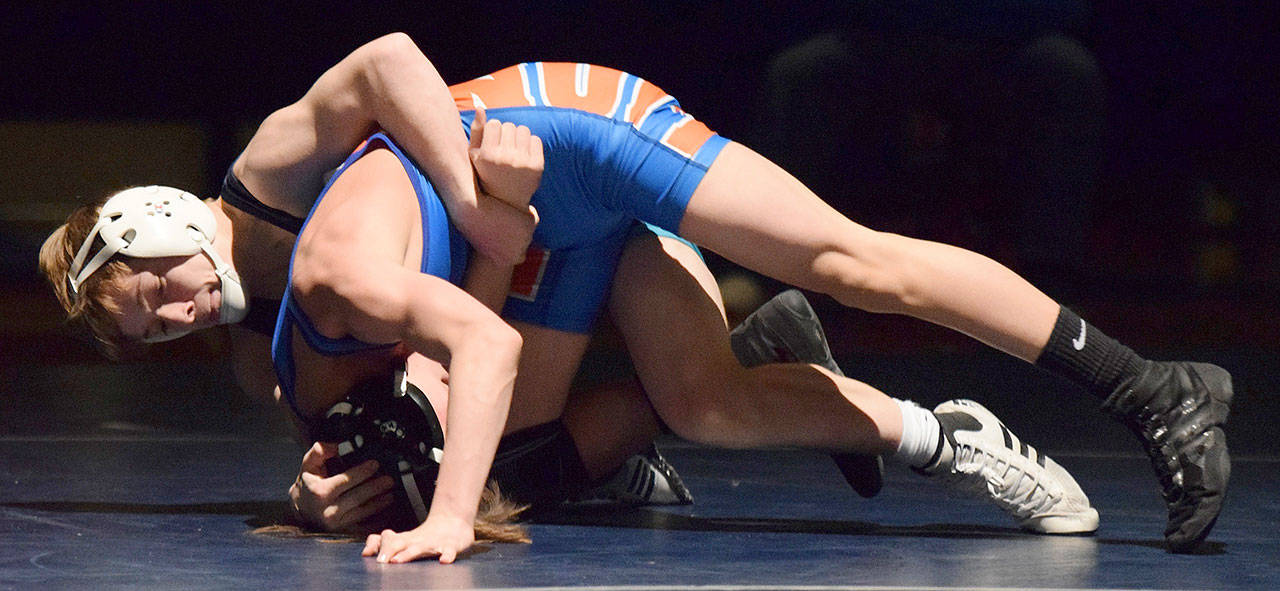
(291,316)
(235,193)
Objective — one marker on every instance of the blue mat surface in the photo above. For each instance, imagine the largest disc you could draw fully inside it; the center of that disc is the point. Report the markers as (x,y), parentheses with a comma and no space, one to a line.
(177,512)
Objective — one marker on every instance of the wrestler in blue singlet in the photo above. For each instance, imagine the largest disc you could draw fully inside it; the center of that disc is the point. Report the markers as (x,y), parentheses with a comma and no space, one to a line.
(617,151)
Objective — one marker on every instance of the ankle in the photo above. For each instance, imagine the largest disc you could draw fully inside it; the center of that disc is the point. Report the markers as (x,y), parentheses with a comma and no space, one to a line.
(1084,355)
(923,444)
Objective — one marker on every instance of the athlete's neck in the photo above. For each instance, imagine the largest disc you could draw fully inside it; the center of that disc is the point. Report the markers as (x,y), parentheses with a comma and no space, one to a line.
(224,238)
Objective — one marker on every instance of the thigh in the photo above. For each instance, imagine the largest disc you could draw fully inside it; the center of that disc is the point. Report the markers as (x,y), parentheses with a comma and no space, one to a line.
(667,307)
(754,213)
(548,362)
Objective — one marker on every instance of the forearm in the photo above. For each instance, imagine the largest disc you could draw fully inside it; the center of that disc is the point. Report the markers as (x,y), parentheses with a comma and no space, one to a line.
(488,281)
(407,97)
(482,375)
(483,354)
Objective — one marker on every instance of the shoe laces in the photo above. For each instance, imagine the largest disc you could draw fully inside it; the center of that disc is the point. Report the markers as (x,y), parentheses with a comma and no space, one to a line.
(1152,428)
(1012,487)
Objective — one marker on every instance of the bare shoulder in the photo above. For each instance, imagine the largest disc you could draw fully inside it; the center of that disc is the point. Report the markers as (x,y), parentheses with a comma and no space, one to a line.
(378,173)
(365,222)
(295,146)
(369,205)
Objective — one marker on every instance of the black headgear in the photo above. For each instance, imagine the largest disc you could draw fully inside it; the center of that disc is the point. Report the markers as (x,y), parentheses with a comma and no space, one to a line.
(385,418)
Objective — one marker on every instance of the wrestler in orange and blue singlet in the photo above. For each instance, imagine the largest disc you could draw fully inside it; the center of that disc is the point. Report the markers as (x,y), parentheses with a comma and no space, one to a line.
(618,149)
(620,157)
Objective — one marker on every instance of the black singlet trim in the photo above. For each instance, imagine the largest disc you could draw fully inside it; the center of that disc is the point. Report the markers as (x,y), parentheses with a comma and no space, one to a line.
(235,193)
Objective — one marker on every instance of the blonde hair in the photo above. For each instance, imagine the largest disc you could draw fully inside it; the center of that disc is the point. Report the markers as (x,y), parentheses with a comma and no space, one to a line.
(495,522)
(95,307)
(496,519)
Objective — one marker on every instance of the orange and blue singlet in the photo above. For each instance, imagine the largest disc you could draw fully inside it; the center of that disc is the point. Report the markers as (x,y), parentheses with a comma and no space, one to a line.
(620,155)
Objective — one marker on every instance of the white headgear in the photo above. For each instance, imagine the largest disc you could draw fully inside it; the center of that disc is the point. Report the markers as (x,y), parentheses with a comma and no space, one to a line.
(152,222)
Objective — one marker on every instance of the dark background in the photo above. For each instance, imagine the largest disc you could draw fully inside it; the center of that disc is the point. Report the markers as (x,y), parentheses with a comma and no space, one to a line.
(1169,241)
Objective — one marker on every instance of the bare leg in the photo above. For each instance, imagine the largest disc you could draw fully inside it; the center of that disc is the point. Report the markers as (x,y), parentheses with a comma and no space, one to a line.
(756,214)
(753,212)
(610,424)
(700,390)
(548,362)
(697,385)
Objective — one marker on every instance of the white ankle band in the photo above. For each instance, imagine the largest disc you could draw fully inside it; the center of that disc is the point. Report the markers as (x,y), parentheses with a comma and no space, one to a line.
(920,435)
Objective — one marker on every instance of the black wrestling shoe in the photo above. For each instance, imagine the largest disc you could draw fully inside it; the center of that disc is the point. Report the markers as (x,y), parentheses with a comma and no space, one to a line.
(784,330)
(1177,409)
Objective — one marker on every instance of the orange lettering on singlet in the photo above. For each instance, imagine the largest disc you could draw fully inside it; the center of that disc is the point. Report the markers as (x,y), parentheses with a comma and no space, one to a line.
(562,86)
(503,88)
(506,88)
(646,97)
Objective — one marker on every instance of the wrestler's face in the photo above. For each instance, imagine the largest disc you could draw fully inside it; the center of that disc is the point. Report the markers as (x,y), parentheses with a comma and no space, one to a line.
(167,297)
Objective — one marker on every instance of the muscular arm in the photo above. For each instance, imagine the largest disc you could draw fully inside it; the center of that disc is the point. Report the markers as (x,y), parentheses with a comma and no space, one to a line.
(351,278)
(386,83)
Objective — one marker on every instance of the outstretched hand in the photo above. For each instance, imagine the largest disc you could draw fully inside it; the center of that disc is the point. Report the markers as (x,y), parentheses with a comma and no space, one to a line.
(443,537)
(507,158)
(346,502)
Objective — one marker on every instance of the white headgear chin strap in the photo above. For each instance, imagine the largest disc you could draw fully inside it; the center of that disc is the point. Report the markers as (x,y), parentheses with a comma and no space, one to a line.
(153,222)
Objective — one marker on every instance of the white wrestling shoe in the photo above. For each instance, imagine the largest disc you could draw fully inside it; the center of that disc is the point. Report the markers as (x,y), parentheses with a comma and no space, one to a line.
(988,459)
(645,479)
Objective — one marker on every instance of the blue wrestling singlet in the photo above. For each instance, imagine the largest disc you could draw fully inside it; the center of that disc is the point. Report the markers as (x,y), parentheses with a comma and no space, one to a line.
(618,151)
(444,255)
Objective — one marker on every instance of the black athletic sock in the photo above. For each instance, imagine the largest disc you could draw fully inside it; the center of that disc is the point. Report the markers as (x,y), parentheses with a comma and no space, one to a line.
(1081,353)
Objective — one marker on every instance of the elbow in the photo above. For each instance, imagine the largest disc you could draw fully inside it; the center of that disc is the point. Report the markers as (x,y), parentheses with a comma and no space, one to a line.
(495,344)
(491,350)
(397,41)
(389,54)
(502,342)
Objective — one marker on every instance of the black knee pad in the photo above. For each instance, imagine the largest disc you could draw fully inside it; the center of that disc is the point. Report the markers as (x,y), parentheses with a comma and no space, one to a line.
(539,466)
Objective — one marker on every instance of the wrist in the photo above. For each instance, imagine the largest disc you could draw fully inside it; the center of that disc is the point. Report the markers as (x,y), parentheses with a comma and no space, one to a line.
(449,518)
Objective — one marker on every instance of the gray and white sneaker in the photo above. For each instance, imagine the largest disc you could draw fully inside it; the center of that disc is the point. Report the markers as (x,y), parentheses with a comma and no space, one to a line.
(644,479)
(980,455)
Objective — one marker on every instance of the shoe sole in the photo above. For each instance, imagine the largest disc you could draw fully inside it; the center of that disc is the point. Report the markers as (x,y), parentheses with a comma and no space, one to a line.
(1084,523)
(1212,451)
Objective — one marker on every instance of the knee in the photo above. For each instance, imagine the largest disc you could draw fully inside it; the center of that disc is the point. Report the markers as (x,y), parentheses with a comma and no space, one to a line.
(700,405)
